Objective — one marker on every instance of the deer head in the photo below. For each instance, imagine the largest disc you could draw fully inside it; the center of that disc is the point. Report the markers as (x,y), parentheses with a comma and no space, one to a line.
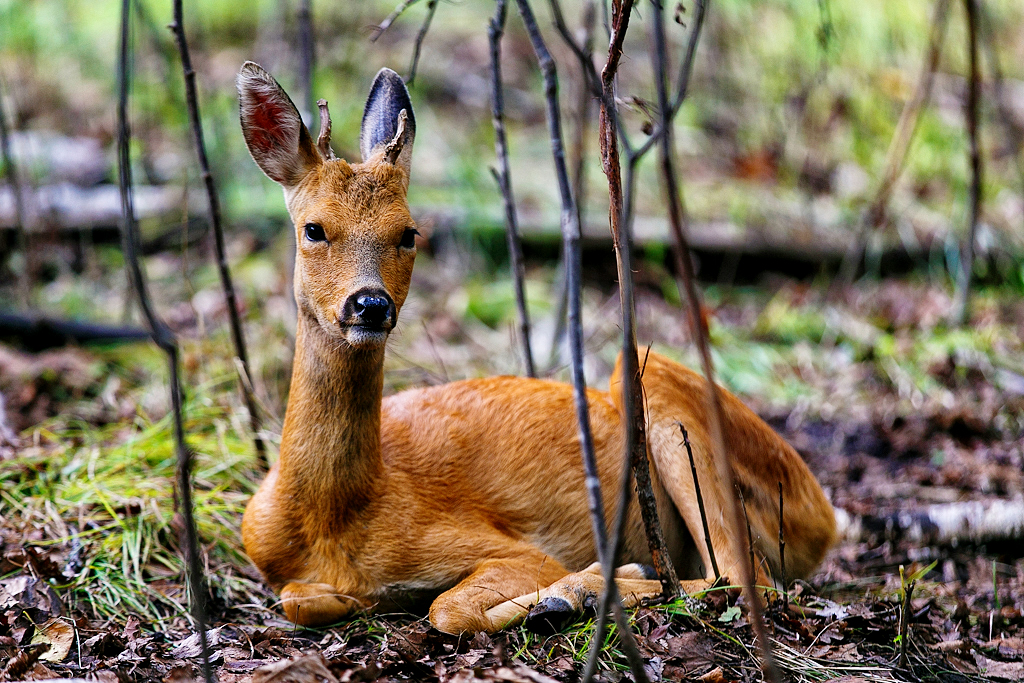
(355,239)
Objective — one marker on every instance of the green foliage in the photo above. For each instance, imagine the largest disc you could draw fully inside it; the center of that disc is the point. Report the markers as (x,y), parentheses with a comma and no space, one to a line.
(111,490)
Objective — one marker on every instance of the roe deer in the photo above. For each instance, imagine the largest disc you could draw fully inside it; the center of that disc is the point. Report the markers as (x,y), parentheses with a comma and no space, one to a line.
(470,494)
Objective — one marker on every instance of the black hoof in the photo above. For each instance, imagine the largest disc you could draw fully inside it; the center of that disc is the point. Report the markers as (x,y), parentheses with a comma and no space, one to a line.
(649,572)
(549,616)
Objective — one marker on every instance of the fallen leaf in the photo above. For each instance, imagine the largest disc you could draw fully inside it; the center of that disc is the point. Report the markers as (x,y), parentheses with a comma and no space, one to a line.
(691,651)
(1010,671)
(304,669)
(731,614)
(714,676)
(59,635)
(190,647)
(179,674)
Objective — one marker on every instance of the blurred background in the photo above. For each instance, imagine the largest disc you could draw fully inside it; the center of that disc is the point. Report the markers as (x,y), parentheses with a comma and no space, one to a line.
(783,146)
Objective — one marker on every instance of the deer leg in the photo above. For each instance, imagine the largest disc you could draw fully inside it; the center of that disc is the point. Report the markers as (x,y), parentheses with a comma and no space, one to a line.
(316,604)
(466,607)
(550,608)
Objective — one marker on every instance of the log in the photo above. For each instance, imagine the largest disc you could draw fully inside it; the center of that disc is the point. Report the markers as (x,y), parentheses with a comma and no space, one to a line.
(942,524)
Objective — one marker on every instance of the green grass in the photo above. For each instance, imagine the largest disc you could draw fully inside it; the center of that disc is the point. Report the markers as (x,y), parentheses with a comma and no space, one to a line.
(111,489)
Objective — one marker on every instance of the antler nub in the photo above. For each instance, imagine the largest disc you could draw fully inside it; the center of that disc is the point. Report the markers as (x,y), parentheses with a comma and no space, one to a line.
(323,141)
(394,148)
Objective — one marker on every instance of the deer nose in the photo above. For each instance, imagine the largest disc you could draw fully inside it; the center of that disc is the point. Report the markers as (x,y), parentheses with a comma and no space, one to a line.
(372,308)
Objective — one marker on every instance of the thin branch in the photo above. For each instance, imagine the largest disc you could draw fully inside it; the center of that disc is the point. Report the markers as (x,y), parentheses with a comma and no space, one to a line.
(698,325)
(895,156)
(431,8)
(21,236)
(571,245)
(383,26)
(963,285)
(307,57)
(782,549)
(503,176)
(1014,131)
(634,424)
(700,503)
(163,337)
(213,202)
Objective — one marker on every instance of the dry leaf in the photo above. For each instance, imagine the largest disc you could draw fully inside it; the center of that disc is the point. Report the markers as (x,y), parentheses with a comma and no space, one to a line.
(304,669)
(59,635)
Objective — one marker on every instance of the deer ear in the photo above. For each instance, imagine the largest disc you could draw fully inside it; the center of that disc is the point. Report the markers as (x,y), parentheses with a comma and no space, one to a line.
(389,126)
(279,142)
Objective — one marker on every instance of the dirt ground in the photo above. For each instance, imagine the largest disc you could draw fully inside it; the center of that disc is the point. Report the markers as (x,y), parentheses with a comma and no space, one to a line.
(878,448)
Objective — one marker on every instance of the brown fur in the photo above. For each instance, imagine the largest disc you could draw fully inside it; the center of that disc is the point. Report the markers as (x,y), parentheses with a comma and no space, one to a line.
(471,493)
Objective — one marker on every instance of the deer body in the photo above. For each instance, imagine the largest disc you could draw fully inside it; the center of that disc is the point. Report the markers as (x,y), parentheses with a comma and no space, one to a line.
(469,494)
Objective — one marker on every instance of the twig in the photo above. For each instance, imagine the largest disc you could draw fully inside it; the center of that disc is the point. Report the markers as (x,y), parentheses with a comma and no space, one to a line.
(307,57)
(684,267)
(503,176)
(431,8)
(1014,130)
(896,155)
(571,246)
(782,550)
(634,426)
(750,535)
(19,208)
(213,200)
(700,503)
(383,26)
(959,312)
(163,337)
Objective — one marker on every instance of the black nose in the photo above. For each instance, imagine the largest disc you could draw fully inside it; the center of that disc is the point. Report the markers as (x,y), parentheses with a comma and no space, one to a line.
(372,309)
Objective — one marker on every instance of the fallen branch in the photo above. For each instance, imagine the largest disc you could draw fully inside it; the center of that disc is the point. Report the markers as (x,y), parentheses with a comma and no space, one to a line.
(942,524)
(213,205)
(503,176)
(162,337)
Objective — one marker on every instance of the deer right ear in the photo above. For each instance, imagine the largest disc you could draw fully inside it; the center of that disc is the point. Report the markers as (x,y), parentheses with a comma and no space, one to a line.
(279,142)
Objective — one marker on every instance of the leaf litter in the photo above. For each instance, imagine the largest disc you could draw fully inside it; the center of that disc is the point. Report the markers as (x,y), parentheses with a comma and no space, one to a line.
(890,409)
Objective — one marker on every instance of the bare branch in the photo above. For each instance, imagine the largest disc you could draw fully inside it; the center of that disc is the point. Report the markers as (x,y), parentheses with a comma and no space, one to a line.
(573,266)
(782,549)
(896,155)
(431,8)
(698,325)
(963,285)
(503,176)
(307,58)
(390,19)
(163,337)
(700,503)
(19,208)
(213,202)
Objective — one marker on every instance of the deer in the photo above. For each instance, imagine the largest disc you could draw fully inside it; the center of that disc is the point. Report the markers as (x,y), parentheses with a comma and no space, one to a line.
(469,496)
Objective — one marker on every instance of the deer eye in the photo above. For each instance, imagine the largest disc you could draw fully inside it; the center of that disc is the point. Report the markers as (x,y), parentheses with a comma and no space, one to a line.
(315,233)
(408,238)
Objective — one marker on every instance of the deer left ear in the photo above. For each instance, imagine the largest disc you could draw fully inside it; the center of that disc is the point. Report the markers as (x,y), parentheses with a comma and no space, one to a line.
(389,126)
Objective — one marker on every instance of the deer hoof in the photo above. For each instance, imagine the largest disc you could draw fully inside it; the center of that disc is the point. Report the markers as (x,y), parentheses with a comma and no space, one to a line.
(549,616)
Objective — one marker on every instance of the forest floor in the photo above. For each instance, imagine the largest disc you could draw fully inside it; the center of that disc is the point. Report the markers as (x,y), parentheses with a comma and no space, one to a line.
(892,410)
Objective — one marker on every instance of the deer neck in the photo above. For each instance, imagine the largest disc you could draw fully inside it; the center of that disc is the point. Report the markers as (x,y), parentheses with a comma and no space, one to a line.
(330,446)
